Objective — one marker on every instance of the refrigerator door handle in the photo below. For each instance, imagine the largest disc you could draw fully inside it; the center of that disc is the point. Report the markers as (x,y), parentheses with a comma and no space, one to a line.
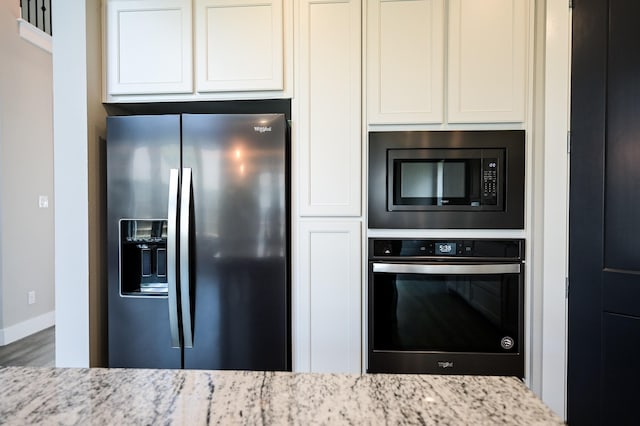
(172,241)
(185,278)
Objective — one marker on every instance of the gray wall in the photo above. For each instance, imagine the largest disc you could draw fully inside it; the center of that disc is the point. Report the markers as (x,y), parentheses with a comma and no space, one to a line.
(26,172)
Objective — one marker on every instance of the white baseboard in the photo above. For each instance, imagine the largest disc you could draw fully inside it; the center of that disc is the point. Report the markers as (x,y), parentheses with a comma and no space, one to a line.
(26,328)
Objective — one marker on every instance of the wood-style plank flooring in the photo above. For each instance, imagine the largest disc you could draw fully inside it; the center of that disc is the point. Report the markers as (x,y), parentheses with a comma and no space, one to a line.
(37,350)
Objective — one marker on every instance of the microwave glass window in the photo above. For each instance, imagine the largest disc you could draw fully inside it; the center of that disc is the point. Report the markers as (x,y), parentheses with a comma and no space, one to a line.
(436,182)
(432,179)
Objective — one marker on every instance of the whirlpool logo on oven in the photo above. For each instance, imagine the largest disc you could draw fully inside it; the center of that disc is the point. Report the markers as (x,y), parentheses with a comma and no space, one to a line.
(445,364)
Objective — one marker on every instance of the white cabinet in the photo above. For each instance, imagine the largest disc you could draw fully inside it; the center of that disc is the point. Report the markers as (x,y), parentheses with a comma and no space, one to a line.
(148,46)
(487,60)
(327,303)
(327,120)
(327,156)
(486,68)
(237,49)
(405,61)
(239,45)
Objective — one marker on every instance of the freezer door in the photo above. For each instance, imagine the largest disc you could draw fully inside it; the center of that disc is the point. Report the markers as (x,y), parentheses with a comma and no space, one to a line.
(240,241)
(141,150)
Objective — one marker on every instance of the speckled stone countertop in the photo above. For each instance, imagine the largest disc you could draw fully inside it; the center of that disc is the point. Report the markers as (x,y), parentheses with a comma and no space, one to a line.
(47,396)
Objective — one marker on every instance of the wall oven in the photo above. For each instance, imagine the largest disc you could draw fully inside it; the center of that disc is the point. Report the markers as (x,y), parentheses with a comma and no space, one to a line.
(446,306)
(446,179)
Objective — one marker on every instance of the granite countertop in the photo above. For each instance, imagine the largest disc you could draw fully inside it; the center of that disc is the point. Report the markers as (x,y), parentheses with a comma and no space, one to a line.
(195,397)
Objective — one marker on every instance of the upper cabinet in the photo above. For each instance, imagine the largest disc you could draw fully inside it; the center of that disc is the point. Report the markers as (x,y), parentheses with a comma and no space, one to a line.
(474,52)
(328,107)
(239,45)
(405,61)
(487,61)
(148,46)
(236,49)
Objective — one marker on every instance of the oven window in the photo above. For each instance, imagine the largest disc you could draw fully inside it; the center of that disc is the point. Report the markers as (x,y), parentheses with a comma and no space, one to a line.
(449,313)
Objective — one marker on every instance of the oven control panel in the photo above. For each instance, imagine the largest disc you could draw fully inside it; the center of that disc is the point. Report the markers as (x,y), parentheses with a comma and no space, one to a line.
(446,248)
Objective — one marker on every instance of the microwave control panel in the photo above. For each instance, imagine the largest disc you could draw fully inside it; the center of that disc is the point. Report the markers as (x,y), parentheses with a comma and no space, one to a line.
(489,181)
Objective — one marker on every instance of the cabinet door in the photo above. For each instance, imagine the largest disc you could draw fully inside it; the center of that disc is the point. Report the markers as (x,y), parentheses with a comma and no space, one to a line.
(405,61)
(148,46)
(327,298)
(328,106)
(239,45)
(487,60)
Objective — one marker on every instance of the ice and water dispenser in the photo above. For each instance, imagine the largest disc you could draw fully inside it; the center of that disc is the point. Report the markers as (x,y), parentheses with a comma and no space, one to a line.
(143,257)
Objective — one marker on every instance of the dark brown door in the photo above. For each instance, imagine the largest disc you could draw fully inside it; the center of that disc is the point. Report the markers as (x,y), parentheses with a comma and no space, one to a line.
(604,248)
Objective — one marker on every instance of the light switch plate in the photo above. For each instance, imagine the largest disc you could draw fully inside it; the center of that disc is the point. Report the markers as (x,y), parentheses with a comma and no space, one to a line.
(43,202)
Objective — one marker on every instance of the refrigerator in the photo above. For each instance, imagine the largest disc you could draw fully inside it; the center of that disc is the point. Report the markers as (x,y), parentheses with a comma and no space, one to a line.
(198,241)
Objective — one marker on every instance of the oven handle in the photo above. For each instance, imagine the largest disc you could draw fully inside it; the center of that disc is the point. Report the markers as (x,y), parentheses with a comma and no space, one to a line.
(412,268)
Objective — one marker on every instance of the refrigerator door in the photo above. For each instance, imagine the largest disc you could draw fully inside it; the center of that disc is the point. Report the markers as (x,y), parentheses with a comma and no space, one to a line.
(141,150)
(240,239)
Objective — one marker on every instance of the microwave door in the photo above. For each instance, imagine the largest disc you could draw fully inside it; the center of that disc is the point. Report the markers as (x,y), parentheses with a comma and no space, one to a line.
(446,179)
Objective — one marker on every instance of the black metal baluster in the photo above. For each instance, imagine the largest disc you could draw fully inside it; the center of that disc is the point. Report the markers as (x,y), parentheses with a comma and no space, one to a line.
(44,16)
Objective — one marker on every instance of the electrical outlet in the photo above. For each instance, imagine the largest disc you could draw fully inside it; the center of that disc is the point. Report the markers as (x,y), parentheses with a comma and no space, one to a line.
(43,202)
(32,297)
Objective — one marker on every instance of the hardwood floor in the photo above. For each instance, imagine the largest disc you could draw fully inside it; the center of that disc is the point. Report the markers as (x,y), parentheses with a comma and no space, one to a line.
(37,350)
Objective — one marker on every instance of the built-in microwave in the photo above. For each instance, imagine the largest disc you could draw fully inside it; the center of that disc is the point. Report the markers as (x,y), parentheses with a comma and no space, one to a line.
(446,179)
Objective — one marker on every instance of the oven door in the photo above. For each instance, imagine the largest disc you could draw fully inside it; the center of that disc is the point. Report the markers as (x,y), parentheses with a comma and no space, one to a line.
(446,318)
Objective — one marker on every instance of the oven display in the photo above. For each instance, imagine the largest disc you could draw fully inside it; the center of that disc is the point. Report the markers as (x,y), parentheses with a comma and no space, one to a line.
(447,249)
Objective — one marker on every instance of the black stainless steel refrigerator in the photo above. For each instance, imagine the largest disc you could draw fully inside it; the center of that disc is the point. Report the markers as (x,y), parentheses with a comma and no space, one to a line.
(198,241)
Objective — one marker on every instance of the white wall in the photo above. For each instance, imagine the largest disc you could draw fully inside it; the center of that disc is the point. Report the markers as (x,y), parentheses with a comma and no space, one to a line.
(78,122)
(26,172)
(535,259)
(556,206)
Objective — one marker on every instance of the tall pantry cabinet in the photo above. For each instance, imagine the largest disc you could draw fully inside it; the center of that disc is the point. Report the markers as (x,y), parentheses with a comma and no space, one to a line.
(327,259)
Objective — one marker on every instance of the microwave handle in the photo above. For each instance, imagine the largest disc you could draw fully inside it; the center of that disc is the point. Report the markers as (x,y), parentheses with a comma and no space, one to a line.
(413,268)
